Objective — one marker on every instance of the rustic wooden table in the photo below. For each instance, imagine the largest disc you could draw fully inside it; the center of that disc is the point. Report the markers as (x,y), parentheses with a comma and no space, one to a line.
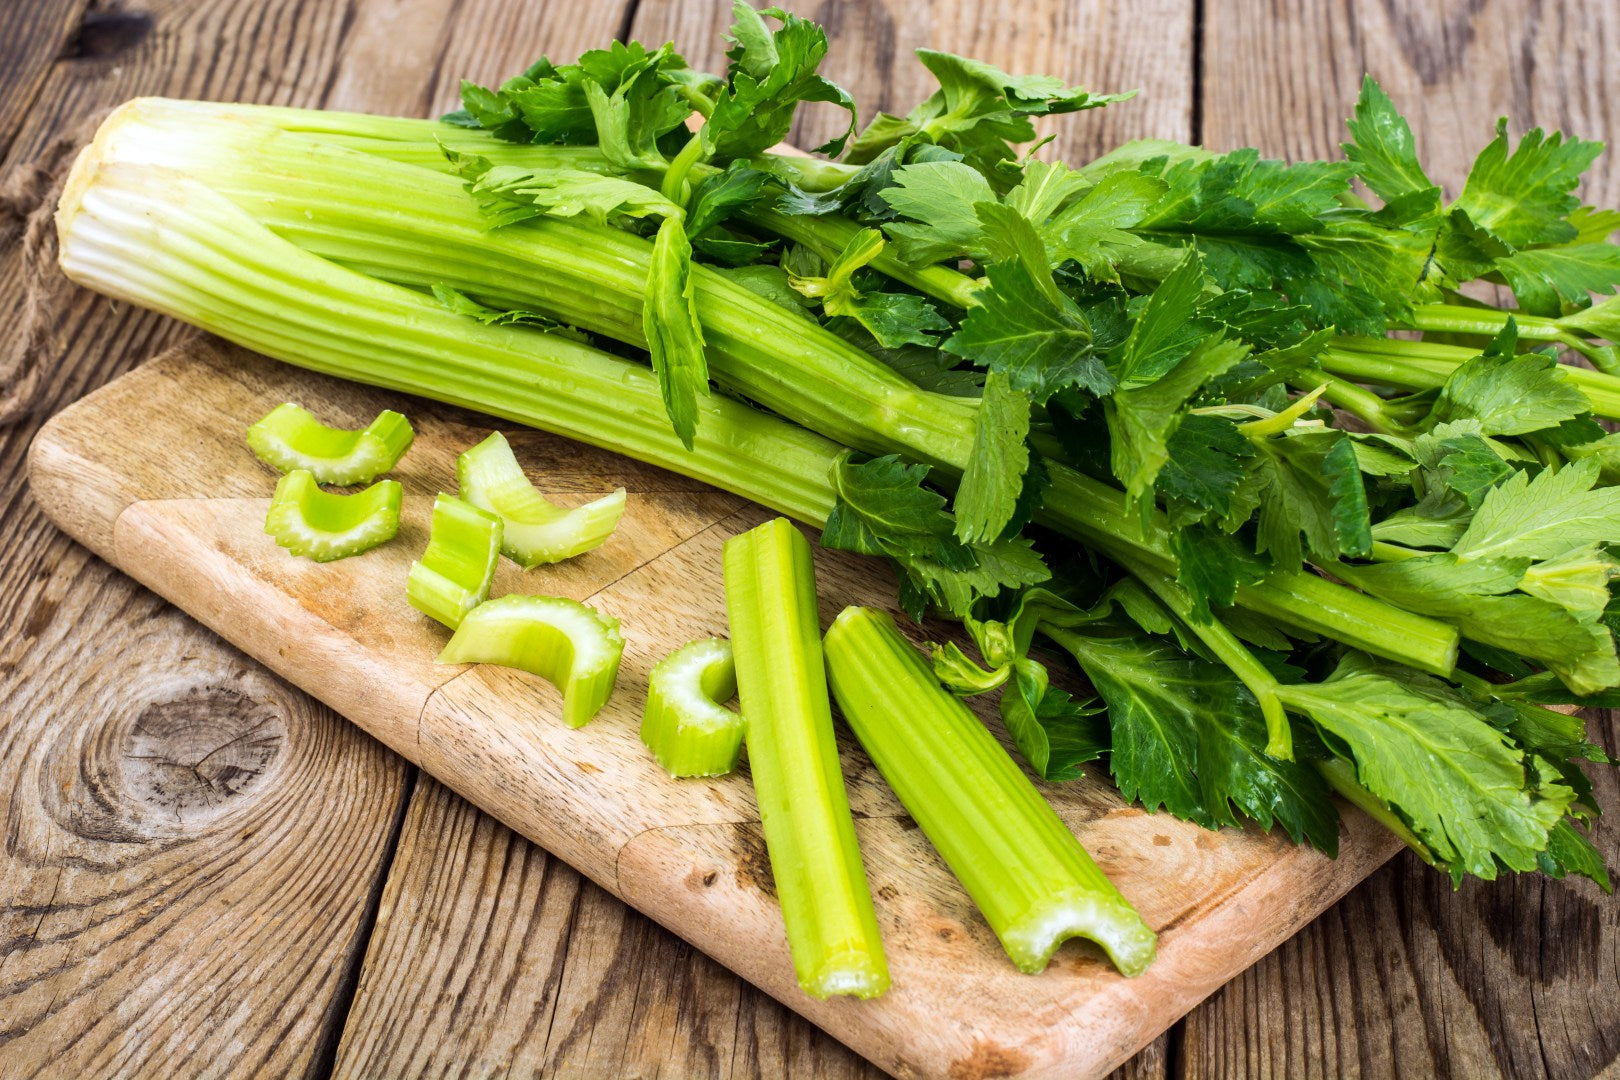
(208,873)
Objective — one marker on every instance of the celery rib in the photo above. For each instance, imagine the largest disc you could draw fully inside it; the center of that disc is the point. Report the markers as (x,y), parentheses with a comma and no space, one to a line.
(323,526)
(289,437)
(1034,882)
(684,725)
(215,267)
(534,530)
(815,858)
(454,574)
(271,295)
(574,647)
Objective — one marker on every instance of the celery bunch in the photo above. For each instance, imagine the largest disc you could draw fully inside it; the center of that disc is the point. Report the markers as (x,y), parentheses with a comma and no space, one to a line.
(968,362)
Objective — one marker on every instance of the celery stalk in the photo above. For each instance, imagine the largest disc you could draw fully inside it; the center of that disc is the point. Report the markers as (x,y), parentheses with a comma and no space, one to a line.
(213,266)
(290,437)
(684,725)
(324,526)
(1035,884)
(815,859)
(415,224)
(574,647)
(534,530)
(454,574)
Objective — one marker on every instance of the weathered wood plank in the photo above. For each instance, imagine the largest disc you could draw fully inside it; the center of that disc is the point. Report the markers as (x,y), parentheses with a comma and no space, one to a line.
(37,31)
(160,905)
(1284,76)
(518,965)
(161,911)
(1405,977)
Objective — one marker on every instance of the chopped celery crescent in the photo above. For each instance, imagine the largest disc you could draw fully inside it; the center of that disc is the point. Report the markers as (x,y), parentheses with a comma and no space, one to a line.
(815,860)
(454,572)
(289,437)
(575,647)
(323,526)
(1030,877)
(536,531)
(685,726)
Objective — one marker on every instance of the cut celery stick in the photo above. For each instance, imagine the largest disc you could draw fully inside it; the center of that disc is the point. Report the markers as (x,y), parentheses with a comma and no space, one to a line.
(323,526)
(574,647)
(535,530)
(815,859)
(455,571)
(685,726)
(1022,866)
(289,437)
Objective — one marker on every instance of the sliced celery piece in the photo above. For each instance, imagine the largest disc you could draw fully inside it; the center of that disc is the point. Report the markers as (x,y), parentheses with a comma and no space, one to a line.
(574,647)
(1022,866)
(685,726)
(289,437)
(323,526)
(535,530)
(815,859)
(453,575)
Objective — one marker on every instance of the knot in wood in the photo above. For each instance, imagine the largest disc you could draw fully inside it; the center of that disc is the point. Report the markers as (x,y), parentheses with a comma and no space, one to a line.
(170,765)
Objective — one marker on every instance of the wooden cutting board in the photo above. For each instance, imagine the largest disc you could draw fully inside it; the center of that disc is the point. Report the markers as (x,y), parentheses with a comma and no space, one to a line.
(151,472)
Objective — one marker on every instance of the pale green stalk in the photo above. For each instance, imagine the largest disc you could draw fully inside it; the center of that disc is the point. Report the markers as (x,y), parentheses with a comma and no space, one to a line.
(323,526)
(1035,884)
(782,686)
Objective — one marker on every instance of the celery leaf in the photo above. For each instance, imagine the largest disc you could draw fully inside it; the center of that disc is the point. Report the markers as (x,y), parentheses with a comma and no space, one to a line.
(1457,780)
(1040,345)
(994,478)
(770,73)
(1188,737)
(1385,155)
(1524,196)
(674,332)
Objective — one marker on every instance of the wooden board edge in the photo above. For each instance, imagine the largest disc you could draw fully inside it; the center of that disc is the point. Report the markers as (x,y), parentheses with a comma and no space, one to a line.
(654,876)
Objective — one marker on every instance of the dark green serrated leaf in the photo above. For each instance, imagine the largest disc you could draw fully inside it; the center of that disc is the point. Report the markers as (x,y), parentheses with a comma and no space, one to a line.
(1142,418)
(1571,852)
(1385,155)
(1040,346)
(1211,565)
(1187,736)
(716,198)
(1545,280)
(1524,196)
(770,73)
(884,509)
(1055,733)
(1452,776)
(1309,484)
(994,478)
(1205,464)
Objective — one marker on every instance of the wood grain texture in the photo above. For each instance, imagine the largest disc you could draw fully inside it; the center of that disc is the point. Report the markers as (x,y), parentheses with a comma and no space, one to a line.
(1521,977)
(1284,76)
(492,957)
(192,845)
(687,853)
(188,859)
(160,910)
(38,32)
